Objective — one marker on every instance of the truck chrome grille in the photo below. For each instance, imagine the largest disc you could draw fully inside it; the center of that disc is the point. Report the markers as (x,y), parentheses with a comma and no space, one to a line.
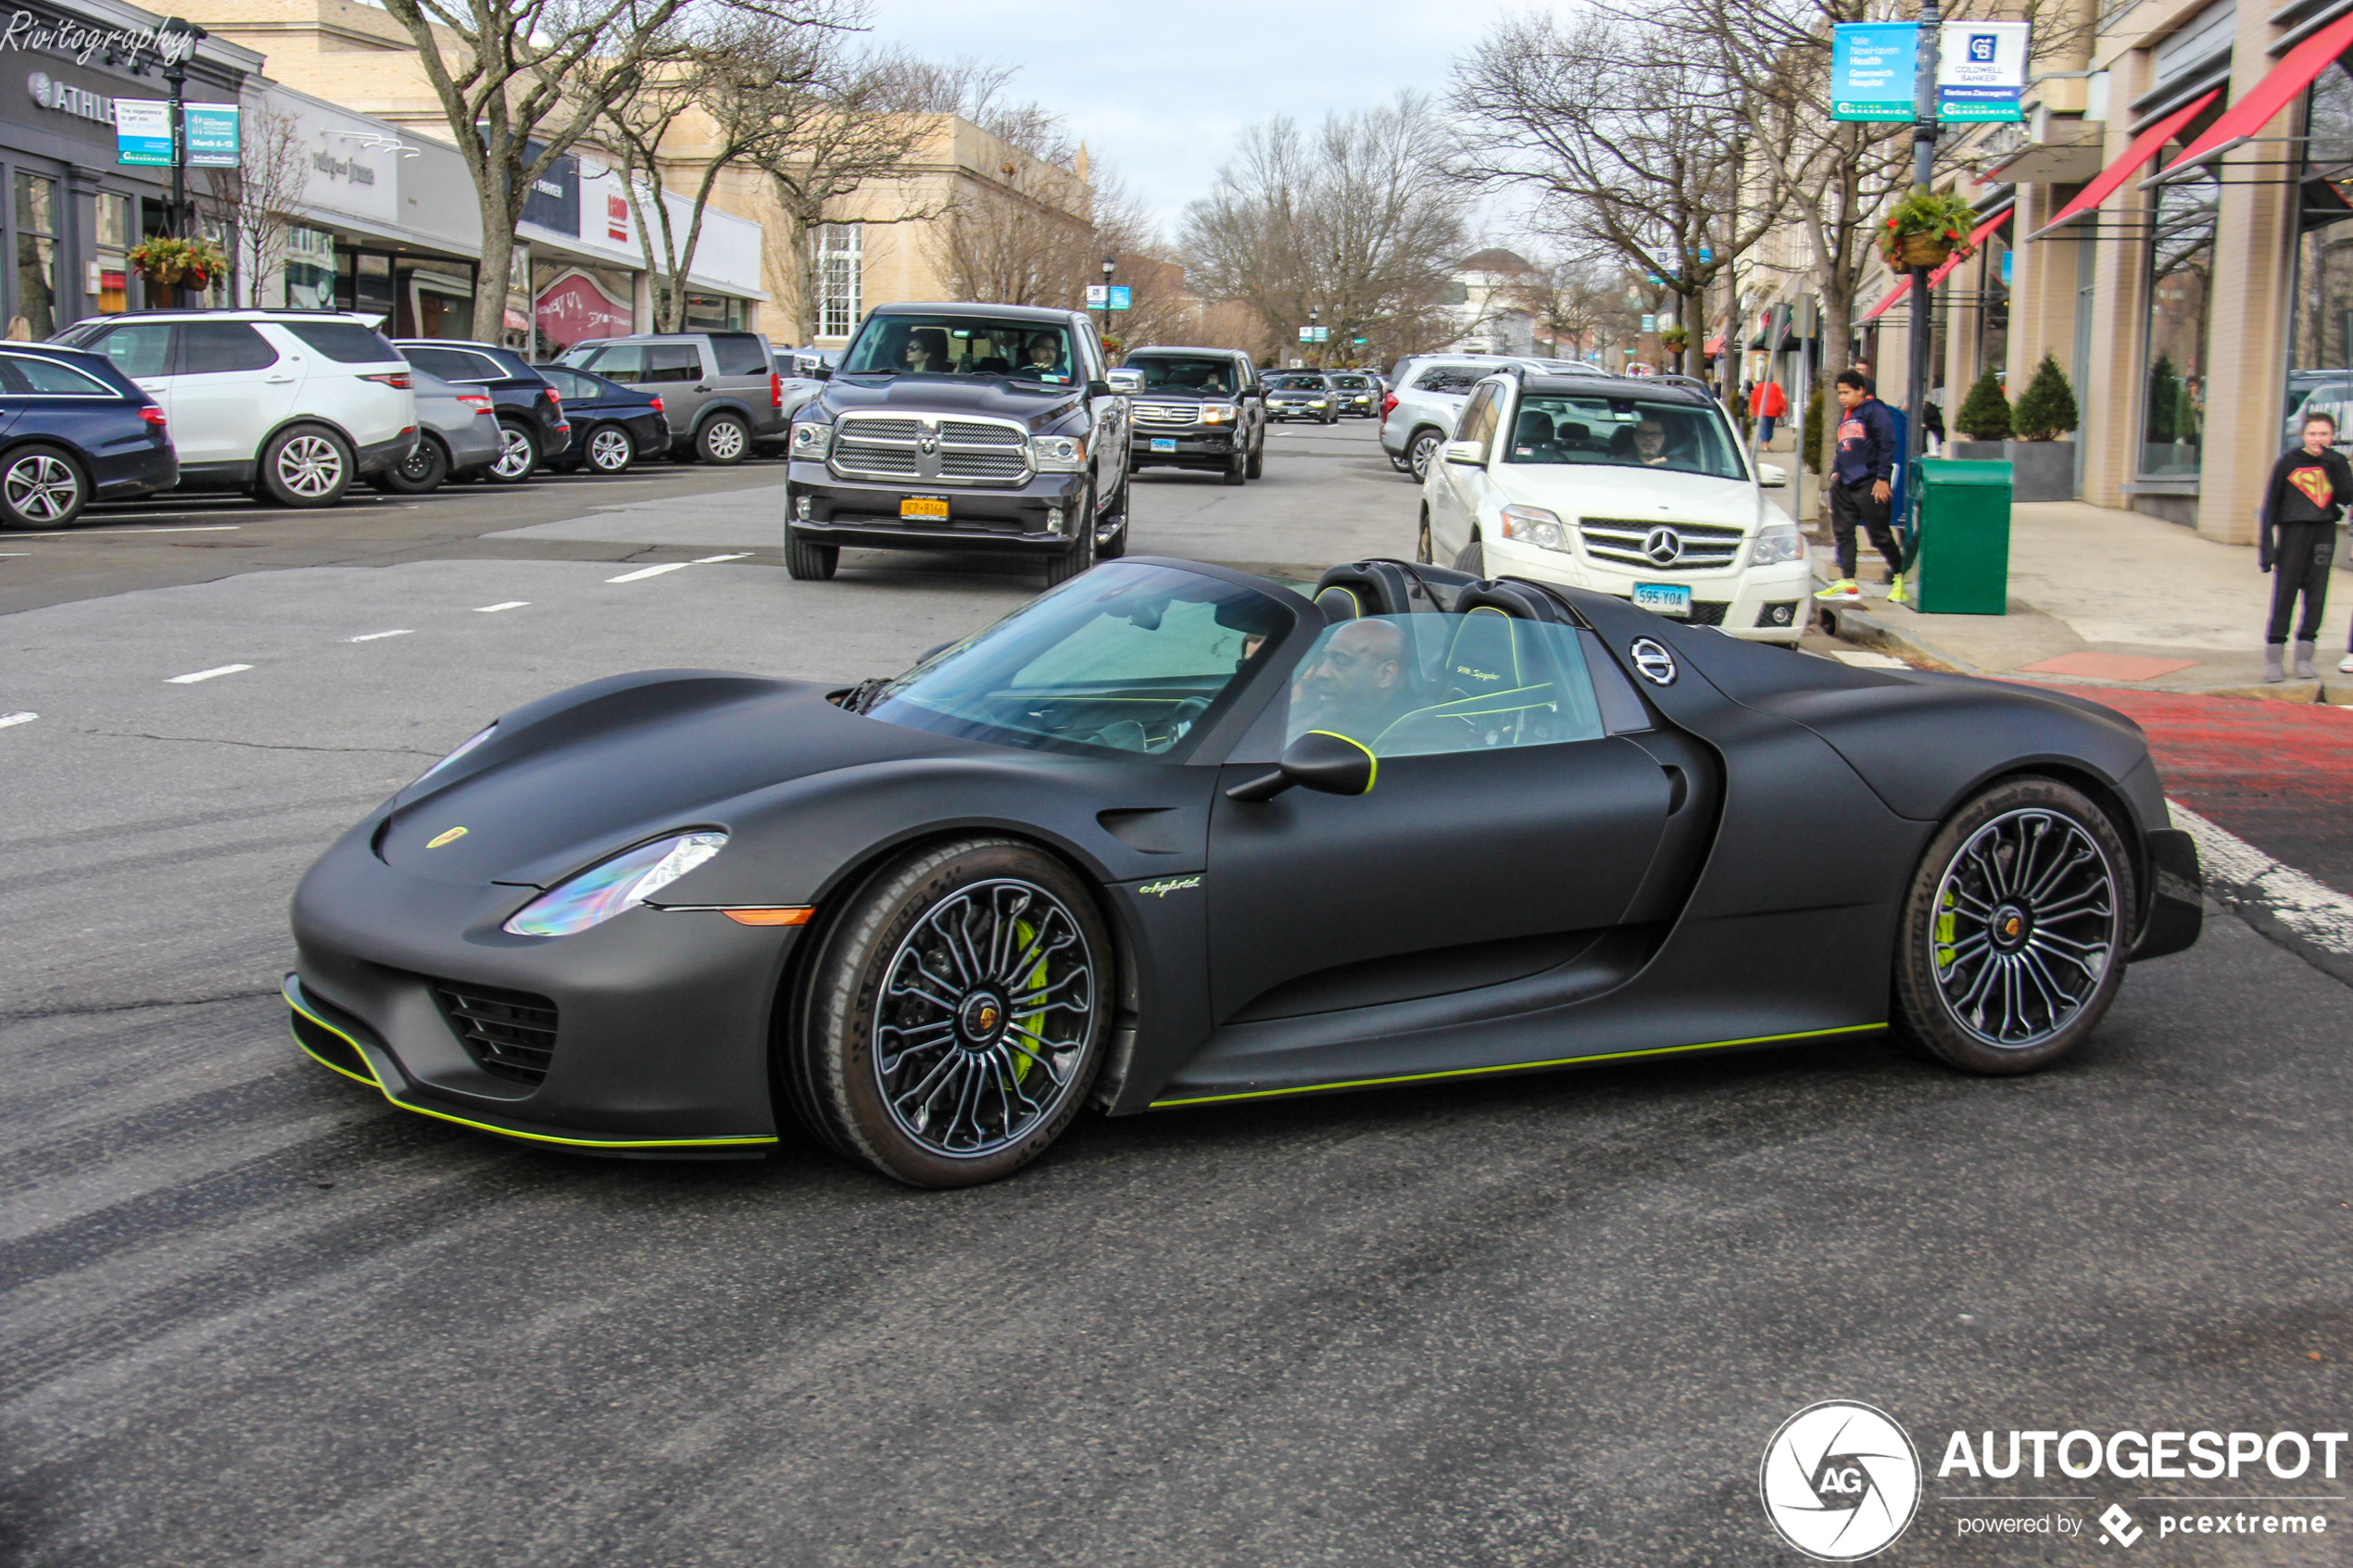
(1661,546)
(931,449)
(1166,413)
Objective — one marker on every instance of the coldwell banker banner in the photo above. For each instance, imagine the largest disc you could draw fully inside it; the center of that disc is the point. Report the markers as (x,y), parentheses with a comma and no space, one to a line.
(1981,70)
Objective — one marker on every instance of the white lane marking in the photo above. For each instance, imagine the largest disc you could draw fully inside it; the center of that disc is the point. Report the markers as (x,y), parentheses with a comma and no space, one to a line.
(2243,873)
(1862,660)
(206,674)
(713,560)
(103,533)
(377,637)
(8,718)
(511,604)
(645,572)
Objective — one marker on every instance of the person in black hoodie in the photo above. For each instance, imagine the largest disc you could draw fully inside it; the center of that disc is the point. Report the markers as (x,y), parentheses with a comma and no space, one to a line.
(2309,487)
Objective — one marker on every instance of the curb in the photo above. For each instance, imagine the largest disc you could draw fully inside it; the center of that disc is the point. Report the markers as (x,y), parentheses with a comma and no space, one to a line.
(1873,630)
(2306,917)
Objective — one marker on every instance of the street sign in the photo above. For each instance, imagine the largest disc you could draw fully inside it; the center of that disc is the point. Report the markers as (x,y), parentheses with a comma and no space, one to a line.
(1650,322)
(1098,296)
(1874,69)
(2005,278)
(1981,70)
(1120,295)
(143,131)
(212,134)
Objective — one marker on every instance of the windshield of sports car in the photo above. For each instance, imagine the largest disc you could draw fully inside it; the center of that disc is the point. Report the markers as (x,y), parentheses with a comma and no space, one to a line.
(1416,686)
(1127,659)
(1623,432)
(1210,378)
(962,346)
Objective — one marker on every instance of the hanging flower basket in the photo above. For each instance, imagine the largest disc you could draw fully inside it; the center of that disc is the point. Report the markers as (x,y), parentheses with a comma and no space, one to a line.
(168,263)
(1927,229)
(1674,339)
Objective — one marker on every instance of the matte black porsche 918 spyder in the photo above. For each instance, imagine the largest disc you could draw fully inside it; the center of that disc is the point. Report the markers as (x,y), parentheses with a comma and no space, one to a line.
(1172,834)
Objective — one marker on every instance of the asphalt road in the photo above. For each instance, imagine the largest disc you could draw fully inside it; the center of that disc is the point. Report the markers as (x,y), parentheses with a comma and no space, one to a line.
(250,1314)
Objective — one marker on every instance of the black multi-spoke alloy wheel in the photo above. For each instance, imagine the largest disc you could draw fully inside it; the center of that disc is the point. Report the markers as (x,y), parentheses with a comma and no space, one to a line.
(305,466)
(806,562)
(1423,451)
(40,487)
(423,470)
(953,1015)
(2014,930)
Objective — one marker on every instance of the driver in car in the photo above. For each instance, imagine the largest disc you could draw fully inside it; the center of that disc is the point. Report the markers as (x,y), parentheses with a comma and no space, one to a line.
(1356,687)
(1045,358)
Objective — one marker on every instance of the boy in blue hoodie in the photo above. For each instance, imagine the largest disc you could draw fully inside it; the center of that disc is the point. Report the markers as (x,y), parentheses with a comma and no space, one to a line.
(1862,481)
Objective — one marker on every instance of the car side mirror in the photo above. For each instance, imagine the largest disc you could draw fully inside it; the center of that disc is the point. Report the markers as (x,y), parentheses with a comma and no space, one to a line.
(1126,381)
(1772,476)
(821,372)
(1099,389)
(1319,760)
(1465,452)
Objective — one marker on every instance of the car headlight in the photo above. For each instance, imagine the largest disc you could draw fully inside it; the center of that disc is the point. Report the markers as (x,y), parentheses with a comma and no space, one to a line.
(486,731)
(1219,413)
(1315,402)
(1057,454)
(811,440)
(1534,525)
(623,882)
(1780,543)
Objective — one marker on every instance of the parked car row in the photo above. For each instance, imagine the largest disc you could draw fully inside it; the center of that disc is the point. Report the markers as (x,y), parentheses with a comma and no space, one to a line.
(293,406)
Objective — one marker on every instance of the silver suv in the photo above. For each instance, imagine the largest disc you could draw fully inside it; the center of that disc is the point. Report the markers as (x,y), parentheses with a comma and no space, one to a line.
(1427,393)
(720,391)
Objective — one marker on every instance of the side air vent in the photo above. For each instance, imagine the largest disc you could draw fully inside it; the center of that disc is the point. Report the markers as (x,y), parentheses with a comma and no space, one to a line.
(511,1034)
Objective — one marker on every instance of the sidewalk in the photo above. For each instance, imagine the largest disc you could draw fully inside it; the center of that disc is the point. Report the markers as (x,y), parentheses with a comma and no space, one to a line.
(2102,597)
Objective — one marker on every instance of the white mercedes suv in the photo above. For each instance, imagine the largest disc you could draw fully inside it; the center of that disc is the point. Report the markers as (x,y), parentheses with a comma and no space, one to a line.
(1633,487)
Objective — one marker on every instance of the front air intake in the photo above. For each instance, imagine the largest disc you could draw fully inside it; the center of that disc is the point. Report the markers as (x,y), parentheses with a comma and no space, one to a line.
(511,1034)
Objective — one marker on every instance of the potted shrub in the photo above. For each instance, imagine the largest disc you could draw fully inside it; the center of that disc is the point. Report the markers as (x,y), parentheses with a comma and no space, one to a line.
(167,262)
(1983,422)
(1674,340)
(1926,229)
(2042,463)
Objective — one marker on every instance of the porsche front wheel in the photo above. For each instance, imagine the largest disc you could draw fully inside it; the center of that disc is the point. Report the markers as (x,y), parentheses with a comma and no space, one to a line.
(2015,930)
(954,1014)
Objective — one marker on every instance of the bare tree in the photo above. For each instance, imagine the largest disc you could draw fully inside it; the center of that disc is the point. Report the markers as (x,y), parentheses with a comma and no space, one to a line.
(1356,222)
(1591,304)
(255,200)
(520,82)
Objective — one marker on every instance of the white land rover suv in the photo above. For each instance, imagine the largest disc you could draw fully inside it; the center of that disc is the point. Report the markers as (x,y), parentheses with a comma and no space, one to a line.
(290,404)
(1634,488)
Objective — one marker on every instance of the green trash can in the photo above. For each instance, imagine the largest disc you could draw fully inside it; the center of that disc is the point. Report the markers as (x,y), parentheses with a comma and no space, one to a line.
(1962,565)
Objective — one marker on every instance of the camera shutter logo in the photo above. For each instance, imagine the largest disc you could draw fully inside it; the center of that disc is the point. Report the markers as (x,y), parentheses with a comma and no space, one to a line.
(1841,1481)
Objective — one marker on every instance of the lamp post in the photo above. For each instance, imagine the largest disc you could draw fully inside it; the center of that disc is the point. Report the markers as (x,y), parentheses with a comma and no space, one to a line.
(1907,508)
(175,76)
(1315,320)
(1111,265)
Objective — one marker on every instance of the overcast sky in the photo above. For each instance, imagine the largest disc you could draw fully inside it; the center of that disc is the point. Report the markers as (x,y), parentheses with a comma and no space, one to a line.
(1162,91)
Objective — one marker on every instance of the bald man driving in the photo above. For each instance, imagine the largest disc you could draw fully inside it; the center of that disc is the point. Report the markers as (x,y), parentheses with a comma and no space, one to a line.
(1356,685)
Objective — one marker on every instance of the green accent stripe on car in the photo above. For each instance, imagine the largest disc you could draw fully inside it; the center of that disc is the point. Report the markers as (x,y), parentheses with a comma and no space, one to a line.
(1516,1066)
(294,1002)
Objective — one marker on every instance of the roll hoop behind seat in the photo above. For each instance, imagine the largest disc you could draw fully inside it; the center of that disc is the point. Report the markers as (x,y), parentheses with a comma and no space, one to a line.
(1382,586)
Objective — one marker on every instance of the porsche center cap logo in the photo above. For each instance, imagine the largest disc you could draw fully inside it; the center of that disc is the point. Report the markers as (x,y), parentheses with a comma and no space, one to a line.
(2012,927)
(987,1019)
(1663,546)
(452,836)
(1651,658)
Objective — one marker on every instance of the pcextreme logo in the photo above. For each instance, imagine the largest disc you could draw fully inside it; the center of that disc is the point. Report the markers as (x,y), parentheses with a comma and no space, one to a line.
(1841,1481)
(1173,884)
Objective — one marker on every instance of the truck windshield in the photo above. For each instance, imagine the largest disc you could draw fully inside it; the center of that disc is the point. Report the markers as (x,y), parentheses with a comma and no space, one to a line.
(1170,373)
(1623,432)
(962,346)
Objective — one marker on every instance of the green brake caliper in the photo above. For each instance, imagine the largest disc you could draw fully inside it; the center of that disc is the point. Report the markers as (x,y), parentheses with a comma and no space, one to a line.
(1944,932)
(1023,933)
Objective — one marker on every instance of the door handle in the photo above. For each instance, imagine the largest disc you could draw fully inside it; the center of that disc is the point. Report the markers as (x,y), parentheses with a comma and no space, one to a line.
(276,381)
(702,386)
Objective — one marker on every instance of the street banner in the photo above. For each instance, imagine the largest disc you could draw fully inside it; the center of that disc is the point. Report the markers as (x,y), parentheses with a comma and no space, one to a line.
(212,134)
(1981,70)
(1120,295)
(1098,296)
(1874,69)
(143,131)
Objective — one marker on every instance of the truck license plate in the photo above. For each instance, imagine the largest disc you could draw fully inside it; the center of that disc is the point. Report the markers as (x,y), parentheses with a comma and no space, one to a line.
(1164,443)
(932,507)
(1664,598)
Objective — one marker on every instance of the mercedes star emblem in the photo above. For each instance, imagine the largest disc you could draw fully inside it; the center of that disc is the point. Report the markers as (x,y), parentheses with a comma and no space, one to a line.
(1651,658)
(1663,546)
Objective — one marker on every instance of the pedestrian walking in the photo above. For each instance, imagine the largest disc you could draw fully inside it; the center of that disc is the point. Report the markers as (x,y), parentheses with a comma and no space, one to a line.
(1767,403)
(1932,426)
(2309,487)
(1862,482)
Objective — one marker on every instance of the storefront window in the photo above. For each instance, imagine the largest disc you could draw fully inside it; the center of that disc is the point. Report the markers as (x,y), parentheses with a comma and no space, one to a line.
(36,255)
(2181,276)
(713,313)
(2319,358)
(842,261)
(573,304)
(311,269)
(1994,306)
(114,240)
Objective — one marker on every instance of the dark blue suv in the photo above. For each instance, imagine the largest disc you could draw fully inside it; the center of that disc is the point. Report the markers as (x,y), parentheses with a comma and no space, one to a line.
(73,429)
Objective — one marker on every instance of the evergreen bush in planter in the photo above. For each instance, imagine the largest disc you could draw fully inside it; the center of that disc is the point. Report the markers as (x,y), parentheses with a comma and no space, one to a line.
(2046,408)
(2042,465)
(1985,413)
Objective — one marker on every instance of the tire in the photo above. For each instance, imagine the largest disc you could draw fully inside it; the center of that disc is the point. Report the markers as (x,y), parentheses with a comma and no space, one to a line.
(1422,451)
(806,562)
(40,487)
(1079,558)
(518,455)
(1117,546)
(1236,470)
(610,450)
(2032,882)
(947,1087)
(1401,461)
(426,470)
(1424,550)
(305,466)
(1257,469)
(1472,558)
(723,439)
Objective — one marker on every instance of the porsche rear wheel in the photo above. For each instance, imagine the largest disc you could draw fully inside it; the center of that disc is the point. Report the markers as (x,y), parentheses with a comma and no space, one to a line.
(954,1014)
(2014,930)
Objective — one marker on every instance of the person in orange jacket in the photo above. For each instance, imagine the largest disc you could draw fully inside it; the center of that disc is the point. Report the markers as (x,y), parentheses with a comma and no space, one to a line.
(1767,402)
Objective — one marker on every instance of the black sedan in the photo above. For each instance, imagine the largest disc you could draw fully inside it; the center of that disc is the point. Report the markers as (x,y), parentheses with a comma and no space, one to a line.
(612,425)
(73,429)
(531,427)
(1175,835)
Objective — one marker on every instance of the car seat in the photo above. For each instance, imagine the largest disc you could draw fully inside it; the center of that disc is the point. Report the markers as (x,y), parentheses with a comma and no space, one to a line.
(1394,587)
(1533,428)
(992,365)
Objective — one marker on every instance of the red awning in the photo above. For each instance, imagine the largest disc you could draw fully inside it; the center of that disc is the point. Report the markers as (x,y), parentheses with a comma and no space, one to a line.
(1904,286)
(2144,148)
(2243,119)
(1713,347)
